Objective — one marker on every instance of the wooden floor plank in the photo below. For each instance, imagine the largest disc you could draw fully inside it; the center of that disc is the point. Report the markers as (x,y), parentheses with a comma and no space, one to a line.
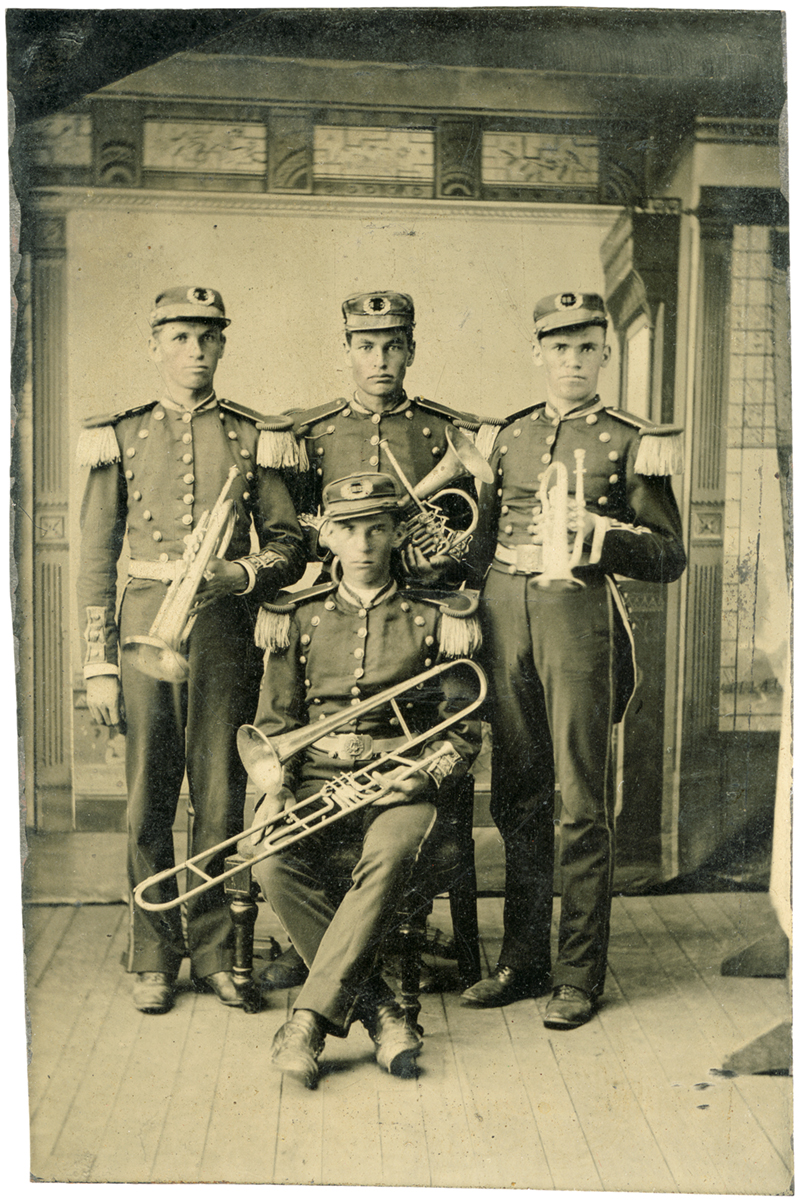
(691,1038)
(298,1145)
(55,1078)
(245,1104)
(49,938)
(351,1119)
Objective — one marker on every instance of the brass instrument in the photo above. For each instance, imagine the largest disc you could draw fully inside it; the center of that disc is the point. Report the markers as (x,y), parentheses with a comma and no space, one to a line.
(264,757)
(158,654)
(427,528)
(558,560)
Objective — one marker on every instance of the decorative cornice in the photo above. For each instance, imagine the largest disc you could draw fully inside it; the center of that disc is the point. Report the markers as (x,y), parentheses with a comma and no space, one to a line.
(741,130)
(71,199)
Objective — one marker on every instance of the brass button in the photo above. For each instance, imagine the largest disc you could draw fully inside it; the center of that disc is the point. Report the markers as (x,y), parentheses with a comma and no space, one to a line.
(429,640)
(346,412)
(373,462)
(500,471)
(187,458)
(249,476)
(613,479)
(187,519)
(504,509)
(426,432)
(315,621)
(163,556)
(419,620)
(508,529)
(355,690)
(188,479)
(130,452)
(613,455)
(546,458)
(376,418)
(147,515)
(358,673)
(551,437)
(409,415)
(188,498)
(331,429)
(602,500)
(129,474)
(159,414)
(137,495)
(158,536)
(186,418)
(233,435)
(319,470)
(245,453)
(362,612)
(358,652)
(186,437)
(535,416)
(320,449)
(143,433)
(373,441)
(517,432)
(591,419)
(504,449)
(436,450)
(605,437)
(362,632)
(499,491)
(404,606)
(303,659)
(307,682)
(428,662)
(305,639)
(330,605)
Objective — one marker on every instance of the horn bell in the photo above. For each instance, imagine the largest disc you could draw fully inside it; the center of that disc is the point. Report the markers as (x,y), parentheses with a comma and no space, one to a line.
(260,760)
(461,458)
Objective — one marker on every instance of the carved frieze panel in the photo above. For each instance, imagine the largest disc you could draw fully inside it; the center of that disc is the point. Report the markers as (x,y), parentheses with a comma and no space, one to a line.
(205,146)
(64,140)
(373,154)
(540,160)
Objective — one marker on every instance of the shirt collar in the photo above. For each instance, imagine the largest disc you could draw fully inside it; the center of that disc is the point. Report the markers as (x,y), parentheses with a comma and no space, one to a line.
(401,406)
(552,415)
(352,597)
(204,405)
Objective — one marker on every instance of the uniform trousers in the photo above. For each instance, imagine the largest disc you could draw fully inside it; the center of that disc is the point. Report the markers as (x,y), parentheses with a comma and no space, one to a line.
(550,659)
(339,939)
(190,726)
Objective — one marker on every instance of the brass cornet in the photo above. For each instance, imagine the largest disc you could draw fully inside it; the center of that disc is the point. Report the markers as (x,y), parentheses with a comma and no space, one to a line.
(427,527)
(558,560)
(264,757)
(158,654)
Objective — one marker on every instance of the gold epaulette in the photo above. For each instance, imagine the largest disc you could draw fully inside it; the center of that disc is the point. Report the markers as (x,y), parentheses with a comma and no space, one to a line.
(459,628)
(277,446)
(273,621)
(661,447)
(97,444)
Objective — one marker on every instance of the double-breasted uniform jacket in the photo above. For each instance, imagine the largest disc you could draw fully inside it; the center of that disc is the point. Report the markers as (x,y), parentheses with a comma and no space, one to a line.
(327,651)
(154,471)
(561,664)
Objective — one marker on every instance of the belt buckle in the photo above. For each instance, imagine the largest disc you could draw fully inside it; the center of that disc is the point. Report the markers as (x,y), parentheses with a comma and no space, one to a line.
(528,557)
(355,745)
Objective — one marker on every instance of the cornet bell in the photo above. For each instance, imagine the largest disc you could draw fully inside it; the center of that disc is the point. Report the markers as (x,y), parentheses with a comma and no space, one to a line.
(259,759)
(156,658)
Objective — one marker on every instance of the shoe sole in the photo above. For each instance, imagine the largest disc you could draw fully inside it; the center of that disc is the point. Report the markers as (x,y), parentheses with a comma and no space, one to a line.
(300,1074)
(404,1064)
(153,1010)
(555,1023)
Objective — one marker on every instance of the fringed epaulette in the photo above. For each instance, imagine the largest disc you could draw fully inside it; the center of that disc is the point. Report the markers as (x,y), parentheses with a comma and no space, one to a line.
(485,439)
(661,446)
(459,629)
(278,447)
(273,621)
(473,423)
(97,444)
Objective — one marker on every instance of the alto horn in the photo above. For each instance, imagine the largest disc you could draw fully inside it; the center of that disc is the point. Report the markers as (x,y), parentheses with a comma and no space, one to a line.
(428,529)
(558,560)
(158,654)
(264,757)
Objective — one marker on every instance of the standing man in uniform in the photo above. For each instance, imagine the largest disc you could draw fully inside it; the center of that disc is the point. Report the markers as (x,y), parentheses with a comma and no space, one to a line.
(155,469)
(329,648)
(350,435)
(560,663)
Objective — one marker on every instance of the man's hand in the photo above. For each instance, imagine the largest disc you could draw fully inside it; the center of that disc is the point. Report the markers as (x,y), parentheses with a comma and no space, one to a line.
(425,570)
(404,791)
(103,696)
(223,578)
(266,809)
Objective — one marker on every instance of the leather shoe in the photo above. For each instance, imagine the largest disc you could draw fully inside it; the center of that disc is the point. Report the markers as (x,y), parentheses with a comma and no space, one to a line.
(286,971)
(297,1046)
(568,1008)
(222,985)
(504,986)
(396,1043)
(152,992)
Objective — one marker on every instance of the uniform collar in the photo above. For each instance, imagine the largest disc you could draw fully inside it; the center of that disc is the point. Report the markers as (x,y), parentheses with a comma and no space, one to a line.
(209,403)
(401,406)
(354,600)
(596,406)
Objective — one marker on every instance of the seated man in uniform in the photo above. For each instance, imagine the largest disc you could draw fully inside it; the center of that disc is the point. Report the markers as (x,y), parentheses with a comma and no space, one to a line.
(557,648)
(327,649)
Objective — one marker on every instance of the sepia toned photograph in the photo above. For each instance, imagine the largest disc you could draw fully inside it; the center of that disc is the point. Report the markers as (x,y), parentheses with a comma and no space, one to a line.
(402,572)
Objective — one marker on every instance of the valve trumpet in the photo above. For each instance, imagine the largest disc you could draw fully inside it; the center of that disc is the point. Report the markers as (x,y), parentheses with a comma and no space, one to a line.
(558,560)
(264,757)
(428,529)
(158,653)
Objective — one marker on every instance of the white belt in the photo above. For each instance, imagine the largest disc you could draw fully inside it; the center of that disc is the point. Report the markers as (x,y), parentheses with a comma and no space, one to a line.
(143,568)
(523,560)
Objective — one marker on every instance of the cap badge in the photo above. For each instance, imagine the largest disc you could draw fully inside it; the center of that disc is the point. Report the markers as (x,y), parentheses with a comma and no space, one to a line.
(356,489)
(377,304)
(569,300)
(201,295)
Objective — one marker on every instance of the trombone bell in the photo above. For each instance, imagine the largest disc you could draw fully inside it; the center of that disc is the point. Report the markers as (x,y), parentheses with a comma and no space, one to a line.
(156,658)
(259,759)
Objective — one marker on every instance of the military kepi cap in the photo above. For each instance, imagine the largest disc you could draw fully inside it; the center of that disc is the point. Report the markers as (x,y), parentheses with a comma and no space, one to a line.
(378,310)
(188,304)
(361,496)
(564,309)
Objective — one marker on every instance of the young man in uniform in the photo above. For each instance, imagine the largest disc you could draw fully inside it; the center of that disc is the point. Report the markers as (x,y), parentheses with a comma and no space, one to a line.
(328,648)
(155,469)
(559,659)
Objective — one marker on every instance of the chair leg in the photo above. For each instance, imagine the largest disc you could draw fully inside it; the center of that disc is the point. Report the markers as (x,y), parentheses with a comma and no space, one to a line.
(464,915)
(243,910)
(411,935)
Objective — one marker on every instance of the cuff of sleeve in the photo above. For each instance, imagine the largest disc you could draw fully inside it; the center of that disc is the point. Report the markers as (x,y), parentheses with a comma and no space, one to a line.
(89,672)
(444,766)
(251,576)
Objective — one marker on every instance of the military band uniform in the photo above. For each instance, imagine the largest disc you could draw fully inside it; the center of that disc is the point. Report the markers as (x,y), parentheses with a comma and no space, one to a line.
(561,674)
(154,470)
(337,650)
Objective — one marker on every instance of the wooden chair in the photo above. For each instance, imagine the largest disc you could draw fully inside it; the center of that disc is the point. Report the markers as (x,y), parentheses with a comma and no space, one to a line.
(446,865)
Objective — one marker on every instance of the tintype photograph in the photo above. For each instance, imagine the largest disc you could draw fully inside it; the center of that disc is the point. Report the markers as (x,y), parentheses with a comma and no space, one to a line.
(401,492)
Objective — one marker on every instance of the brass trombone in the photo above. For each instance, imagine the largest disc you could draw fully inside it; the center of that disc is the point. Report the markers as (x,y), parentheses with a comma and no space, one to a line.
(427,527)
(264,757)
